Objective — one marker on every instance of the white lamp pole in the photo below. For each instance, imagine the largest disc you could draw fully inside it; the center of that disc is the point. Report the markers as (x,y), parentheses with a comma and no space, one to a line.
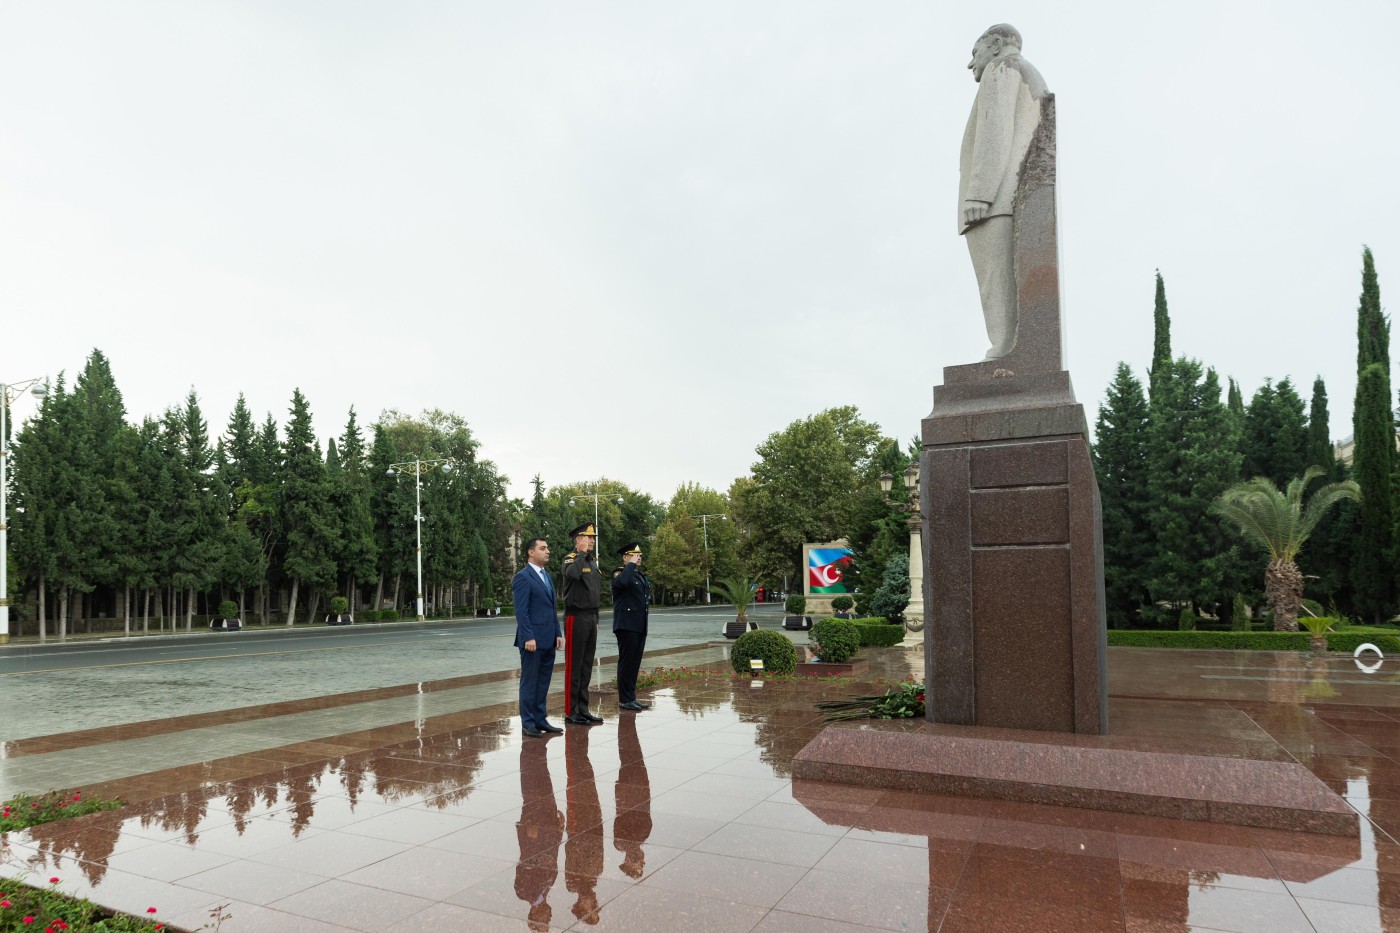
(705,535)
(417,468)
(9,393)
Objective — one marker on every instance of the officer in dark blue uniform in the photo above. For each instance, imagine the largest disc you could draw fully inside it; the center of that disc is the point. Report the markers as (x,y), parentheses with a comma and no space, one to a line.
(631,597)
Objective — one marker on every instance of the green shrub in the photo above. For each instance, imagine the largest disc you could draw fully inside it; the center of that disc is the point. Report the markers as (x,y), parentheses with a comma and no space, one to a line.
(842,603)
(876,632)
(778,654)
(1249,641)
(1186,622)
(795,604)
(338,605)
(1239,616)
(228,609)
(838,639)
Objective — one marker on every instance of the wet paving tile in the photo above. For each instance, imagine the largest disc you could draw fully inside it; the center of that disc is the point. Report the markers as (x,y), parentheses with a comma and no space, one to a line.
(688,813)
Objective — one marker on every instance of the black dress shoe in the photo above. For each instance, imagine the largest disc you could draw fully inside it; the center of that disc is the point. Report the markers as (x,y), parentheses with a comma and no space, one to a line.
(634,706)
(534,733)
(551,728)
(576,721)
(594,720)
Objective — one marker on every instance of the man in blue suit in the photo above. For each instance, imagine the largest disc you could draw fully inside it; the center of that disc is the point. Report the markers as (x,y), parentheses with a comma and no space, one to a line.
(537,635)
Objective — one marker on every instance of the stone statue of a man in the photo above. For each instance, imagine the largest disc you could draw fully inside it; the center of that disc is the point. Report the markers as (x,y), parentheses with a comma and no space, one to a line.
(999,131)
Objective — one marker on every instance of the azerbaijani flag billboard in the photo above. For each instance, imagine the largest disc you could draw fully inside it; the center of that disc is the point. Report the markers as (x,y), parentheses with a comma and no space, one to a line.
(824,569)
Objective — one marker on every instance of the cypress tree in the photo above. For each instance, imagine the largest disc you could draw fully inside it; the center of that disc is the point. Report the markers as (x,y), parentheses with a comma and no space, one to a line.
(1373,464)
(1320,450)
(1275,434)
(1161,330)
(1326,563)
(1120,460)
(1193,456)
(358,554)
(304,510)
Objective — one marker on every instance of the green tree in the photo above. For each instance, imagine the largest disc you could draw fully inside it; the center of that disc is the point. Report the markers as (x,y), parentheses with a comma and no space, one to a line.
(1161,329)
(1280,524)
(803,489)
(357,554)
(1121,463)
(305,510)
(1373,464)
(1193,456)
(1327,563)
(673,563)
(1275,433)
(719,538)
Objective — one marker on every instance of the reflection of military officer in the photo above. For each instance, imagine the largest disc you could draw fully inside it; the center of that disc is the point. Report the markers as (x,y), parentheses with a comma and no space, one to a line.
(539,831)
(632,793)
(631,593)
(582,586)
(583,851)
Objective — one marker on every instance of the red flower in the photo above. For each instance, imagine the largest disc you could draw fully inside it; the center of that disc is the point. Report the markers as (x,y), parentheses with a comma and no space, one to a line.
(150,910)
(921,698)
(5,904)
(160,926)
(53,880)
(29,919)
(77,795)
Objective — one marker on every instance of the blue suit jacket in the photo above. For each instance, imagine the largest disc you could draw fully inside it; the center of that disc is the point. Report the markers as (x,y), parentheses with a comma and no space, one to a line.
(535,616)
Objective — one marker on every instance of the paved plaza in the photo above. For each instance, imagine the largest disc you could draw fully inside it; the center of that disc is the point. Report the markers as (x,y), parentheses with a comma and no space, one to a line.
(421,807)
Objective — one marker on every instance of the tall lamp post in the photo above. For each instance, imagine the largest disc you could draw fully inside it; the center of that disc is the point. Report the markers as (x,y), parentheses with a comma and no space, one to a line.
(8,393)
(417,469)
(914,612)
(597,539)
(705,534)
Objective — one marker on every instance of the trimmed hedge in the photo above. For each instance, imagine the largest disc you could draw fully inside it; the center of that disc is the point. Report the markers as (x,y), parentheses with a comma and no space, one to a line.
(879,633)
(839,639)
(1250,641)
(778,653)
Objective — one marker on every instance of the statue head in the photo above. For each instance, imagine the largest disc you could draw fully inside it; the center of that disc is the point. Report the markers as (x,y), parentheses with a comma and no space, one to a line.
(999,40)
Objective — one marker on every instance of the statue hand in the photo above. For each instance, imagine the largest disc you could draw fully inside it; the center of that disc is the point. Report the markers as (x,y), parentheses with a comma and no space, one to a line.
(975,211)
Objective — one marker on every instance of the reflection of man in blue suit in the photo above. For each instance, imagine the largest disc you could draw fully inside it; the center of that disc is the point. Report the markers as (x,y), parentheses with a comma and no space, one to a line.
(537,635)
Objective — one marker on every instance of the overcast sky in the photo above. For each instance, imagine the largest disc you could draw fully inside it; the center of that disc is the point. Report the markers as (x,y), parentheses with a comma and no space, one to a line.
(635,238)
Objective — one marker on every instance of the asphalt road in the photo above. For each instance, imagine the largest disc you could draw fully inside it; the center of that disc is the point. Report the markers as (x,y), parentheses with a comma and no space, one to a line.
(57,687)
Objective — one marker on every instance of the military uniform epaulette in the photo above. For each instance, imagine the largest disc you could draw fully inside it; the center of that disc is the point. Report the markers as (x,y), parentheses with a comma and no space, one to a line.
(618,572)
(569,557)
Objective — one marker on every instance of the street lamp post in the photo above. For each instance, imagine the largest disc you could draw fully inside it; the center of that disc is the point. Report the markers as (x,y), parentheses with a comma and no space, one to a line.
(417,469)
(8,393)
(914,612)
(597,539)
(705,535)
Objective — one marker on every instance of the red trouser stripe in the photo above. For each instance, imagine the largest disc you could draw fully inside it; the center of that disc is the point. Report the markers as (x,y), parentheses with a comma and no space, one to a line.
(568,665)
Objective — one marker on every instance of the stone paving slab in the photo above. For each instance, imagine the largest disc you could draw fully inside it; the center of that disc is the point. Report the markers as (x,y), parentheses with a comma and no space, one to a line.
(686,818)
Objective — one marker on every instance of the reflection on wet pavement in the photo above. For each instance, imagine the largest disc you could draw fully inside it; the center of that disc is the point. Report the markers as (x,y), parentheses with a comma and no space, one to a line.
(685,817)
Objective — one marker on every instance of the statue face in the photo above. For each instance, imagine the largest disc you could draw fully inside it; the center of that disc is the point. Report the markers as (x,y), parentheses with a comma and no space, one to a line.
(983,53)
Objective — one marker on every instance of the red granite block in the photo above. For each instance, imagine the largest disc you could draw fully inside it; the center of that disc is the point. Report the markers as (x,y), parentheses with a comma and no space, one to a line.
(1241,791)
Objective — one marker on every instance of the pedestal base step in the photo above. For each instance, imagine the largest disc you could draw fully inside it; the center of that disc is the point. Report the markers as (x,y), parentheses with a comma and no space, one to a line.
(1036,769)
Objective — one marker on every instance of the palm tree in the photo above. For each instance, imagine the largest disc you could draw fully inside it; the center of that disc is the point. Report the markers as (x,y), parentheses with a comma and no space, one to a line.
(1280,523)
(737,590)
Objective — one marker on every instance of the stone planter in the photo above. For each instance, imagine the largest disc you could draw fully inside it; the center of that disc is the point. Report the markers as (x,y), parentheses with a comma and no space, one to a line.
(797,623)
(735,629)
(342,619)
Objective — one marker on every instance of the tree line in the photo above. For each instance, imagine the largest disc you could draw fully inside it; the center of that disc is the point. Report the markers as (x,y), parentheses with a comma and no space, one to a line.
(153,522)
(1168,445)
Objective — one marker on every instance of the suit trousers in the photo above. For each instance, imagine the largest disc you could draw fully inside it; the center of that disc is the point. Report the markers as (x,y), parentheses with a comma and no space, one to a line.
(991,246)
(580,644)
(536,669)
(630,646)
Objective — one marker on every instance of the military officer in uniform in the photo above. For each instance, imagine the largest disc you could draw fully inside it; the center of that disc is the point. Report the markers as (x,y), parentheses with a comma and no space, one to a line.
(583,585)
(631,595)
